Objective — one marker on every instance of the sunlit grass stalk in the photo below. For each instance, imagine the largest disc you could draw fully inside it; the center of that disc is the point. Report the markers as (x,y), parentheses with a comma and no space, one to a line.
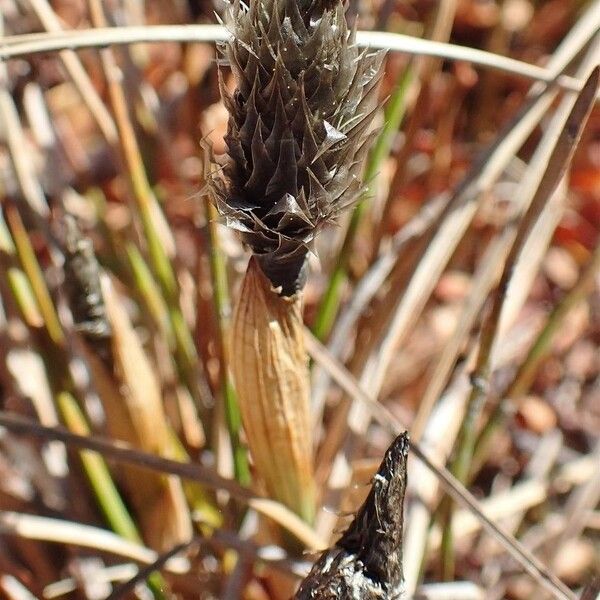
(154,224)
(149,291)
(32,270)
(394,113)
(17,280)
(109,500)
(558,163)
(222,311)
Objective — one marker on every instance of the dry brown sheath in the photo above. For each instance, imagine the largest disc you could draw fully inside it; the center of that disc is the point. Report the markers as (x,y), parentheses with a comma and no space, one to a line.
(366,562)
(270,368)
(299,128)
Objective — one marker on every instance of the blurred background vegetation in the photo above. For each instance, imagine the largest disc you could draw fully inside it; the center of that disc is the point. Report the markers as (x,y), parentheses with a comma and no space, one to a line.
(101,180)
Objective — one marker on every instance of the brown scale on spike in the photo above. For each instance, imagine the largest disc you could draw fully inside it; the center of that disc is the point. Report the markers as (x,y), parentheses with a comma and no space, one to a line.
(299,128)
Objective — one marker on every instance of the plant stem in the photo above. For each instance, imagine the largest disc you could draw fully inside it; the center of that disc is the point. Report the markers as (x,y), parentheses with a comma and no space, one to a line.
(32,270)
(111,504)
(223,310)
(556,166)
(109,500)
(150,292)
(17,279)
(153,222)
(54,340)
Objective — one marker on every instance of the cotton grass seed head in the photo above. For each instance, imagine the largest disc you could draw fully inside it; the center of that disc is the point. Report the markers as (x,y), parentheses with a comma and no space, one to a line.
(299,128)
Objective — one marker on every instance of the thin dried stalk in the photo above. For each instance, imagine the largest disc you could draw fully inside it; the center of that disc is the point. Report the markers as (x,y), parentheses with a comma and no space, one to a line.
(20,45)
(128,587)
(270,370)
(77,72)
(12,132)
(123,453)
(67,532)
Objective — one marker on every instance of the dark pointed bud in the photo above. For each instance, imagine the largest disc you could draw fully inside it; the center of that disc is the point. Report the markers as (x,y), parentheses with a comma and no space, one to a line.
(366,562)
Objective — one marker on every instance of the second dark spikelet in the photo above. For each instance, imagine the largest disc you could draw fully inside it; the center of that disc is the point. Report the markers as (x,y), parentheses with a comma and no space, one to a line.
(366,562)
(299,128)
(82,286)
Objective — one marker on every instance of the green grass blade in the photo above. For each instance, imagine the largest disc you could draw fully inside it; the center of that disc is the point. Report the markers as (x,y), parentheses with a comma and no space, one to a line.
(109,500)
(223,310)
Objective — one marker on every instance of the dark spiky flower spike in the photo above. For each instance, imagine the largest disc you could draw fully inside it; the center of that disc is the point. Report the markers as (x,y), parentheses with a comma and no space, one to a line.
(299,127)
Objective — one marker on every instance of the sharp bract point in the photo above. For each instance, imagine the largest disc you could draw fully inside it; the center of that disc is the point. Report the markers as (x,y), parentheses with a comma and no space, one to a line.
(299,127)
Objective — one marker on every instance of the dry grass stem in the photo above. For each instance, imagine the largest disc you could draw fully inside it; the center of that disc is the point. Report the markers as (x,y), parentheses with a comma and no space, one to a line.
(66,532)
(77,73)
(121,452)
